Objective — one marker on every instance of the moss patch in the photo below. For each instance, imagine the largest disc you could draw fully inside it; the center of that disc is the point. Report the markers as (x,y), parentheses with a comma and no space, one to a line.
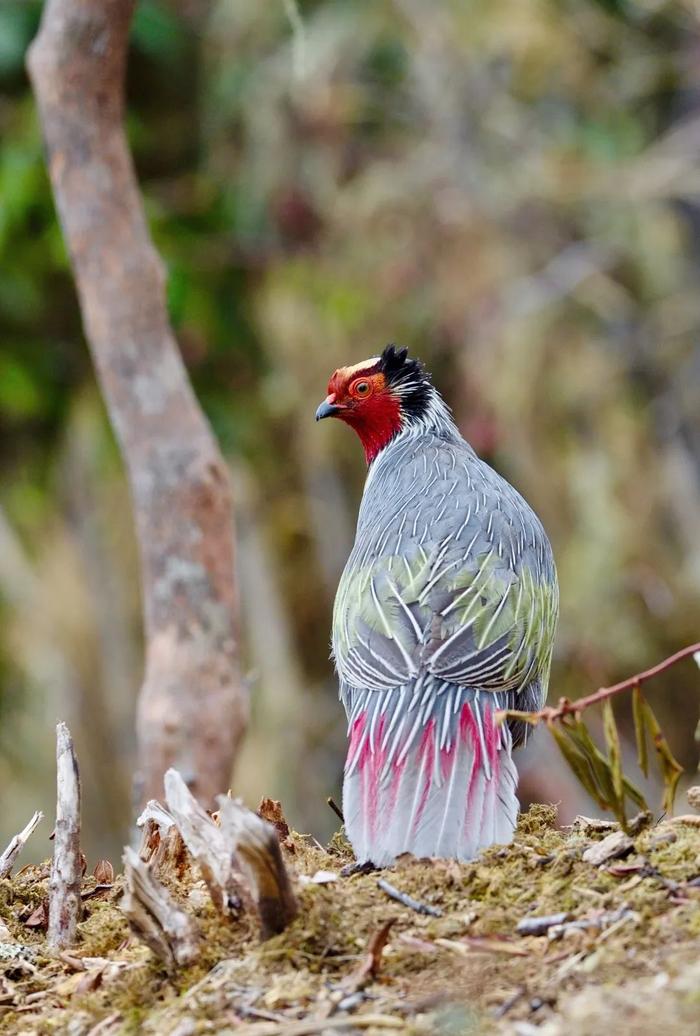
(466,970)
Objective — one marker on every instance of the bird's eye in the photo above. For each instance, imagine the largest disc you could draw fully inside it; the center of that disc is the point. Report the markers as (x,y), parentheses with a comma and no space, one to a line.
(361,389)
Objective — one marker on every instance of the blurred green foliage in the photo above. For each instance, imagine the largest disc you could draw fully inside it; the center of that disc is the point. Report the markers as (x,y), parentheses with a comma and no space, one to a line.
(511,189)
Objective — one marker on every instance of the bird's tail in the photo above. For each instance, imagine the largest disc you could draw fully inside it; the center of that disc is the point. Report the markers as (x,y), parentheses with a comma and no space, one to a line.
(428,772)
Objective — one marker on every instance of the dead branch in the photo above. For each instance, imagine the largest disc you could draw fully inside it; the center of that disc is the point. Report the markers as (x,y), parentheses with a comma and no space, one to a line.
(206,842)
(406,900)
(257,852)
(336,808)
(541,925)
(154,917)
(67,868)
(192,706)
(567,708)
(7,860)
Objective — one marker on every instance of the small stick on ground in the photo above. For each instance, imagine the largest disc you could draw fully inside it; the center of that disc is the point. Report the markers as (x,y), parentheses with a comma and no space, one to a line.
(540,925)
(152,914)
(371,963)
(66,869)
(336,809)
(7,860)
(406,900)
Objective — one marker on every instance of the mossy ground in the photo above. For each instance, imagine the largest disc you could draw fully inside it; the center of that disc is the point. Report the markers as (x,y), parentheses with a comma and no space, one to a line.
(466,971)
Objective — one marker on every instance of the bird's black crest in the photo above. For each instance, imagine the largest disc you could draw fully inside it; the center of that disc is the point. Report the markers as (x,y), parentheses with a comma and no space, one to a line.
(408,378)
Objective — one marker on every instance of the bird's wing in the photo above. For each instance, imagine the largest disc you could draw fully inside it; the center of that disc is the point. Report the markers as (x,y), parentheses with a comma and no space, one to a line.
(451,575)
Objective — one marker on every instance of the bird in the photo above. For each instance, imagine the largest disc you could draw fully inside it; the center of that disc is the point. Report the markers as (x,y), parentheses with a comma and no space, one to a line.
(444,616)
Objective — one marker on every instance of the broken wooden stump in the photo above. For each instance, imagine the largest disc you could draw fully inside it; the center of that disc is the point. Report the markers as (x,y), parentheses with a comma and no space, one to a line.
(67,866)
(7,859)
(237,853)
(161,842)
(206,843)
(256,849)
(153,915)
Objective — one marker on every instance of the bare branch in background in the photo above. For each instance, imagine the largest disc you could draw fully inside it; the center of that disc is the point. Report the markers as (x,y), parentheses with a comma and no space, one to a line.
(66,870)
(192,707)
(570,708)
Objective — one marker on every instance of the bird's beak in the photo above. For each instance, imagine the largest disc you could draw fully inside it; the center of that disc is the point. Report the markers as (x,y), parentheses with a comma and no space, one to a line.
(328,408)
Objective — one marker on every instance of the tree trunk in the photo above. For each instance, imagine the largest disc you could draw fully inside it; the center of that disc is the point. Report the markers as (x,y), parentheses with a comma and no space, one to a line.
(192,708)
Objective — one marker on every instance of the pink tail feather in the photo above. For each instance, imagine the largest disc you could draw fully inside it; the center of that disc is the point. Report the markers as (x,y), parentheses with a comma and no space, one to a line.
(444,787)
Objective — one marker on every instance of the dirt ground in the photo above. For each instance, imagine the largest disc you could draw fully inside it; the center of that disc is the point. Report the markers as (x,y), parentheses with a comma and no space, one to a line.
(624,952)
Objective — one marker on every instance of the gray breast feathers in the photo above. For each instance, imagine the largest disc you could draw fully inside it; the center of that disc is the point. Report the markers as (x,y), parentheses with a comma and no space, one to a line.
(451,574)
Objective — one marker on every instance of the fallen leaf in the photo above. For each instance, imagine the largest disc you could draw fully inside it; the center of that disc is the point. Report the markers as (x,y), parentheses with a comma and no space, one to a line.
(39,918)
(271,810)
(103,873)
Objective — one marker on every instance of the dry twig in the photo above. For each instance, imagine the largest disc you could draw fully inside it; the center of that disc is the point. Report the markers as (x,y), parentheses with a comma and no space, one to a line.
(540,925)
(406,900)
(336,809)
(7,860)
(569,708)
(67,866)
(372,961)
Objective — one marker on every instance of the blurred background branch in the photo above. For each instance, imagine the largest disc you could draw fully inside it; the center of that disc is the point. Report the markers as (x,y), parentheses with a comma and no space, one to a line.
(191,709)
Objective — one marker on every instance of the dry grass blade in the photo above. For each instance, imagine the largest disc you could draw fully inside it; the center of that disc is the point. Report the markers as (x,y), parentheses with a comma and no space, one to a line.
(612,740)
(596,760)
(312,1026)
(482,944)
(640,730)
(577,762)
(592,768)
(671,769)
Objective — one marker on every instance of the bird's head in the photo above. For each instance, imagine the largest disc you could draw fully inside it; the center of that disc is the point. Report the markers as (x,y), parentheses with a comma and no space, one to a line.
(382,396)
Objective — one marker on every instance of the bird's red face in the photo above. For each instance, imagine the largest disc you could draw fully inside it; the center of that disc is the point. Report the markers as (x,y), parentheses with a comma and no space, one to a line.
(361,396)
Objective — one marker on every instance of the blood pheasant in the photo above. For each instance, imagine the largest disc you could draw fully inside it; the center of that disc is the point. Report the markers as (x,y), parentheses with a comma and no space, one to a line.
(444,614)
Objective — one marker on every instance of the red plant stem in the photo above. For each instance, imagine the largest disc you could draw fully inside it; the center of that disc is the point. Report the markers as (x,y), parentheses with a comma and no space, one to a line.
(567,708)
